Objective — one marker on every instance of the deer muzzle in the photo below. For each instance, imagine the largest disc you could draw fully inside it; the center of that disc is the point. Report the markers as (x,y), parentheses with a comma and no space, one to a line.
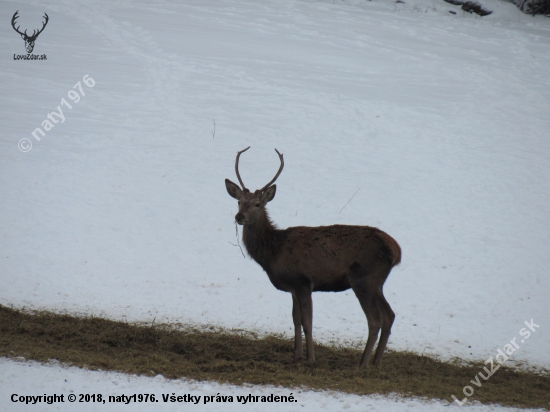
(240,218)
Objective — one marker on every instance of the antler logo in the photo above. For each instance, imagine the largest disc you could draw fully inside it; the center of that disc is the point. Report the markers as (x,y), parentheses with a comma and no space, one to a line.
(29,40)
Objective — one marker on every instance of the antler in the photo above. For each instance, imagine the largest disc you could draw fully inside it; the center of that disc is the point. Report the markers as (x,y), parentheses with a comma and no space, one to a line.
(15,16)
(237,167)
(34,33)
(278,173)
(43,26)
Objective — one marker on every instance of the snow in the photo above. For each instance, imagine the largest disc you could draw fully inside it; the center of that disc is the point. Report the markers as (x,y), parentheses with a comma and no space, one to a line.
(437,122)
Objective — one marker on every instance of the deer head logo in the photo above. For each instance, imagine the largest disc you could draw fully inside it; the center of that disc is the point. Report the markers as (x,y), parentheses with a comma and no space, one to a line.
(29,40)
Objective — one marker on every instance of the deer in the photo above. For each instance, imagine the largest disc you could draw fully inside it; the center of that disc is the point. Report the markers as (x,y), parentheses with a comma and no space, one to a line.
(301,260)
(29,40)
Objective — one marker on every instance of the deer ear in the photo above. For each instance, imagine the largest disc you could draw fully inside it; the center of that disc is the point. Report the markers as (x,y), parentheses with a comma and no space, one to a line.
(233,190)
(269,193)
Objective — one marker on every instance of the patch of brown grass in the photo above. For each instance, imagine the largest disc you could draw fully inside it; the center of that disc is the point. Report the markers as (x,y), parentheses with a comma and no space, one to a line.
(97,343)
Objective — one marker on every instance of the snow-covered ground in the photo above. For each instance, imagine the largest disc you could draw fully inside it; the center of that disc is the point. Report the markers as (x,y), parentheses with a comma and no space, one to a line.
(437,122)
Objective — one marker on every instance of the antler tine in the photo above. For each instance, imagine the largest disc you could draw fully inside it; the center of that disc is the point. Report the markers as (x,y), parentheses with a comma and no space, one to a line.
(278,173)
(13,22)
(45,23)
(35,33)
(237,167)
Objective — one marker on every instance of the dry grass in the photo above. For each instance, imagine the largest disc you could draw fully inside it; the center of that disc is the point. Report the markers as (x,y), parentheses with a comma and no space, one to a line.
(97,343)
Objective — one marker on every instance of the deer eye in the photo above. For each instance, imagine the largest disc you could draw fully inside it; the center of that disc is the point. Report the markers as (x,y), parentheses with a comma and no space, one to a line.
(257,205)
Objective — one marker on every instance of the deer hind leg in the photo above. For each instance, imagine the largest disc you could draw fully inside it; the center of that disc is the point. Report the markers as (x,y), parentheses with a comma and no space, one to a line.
(374,319)
(303,297)
(388,316)
(366,293)
(297,318)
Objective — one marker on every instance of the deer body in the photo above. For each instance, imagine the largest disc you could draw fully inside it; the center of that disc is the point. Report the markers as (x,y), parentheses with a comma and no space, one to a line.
(302,260)
(321,255)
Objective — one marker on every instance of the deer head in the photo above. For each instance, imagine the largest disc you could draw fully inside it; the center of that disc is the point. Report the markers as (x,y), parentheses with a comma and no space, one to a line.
(29,40)
(252,205)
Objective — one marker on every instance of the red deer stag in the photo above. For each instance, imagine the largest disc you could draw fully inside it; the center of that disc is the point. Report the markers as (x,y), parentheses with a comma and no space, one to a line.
(301,260)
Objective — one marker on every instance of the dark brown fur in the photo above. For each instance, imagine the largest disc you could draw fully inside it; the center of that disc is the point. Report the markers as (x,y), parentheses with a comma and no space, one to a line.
(302,260)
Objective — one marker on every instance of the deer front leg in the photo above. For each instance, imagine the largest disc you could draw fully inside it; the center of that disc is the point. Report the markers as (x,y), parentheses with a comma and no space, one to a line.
(297,318)
(306,312)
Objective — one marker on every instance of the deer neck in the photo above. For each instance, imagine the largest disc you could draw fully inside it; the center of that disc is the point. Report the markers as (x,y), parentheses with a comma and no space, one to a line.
(262,240)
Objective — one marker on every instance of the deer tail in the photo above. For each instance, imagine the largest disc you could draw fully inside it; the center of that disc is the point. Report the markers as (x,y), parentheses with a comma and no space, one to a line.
(393,248)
